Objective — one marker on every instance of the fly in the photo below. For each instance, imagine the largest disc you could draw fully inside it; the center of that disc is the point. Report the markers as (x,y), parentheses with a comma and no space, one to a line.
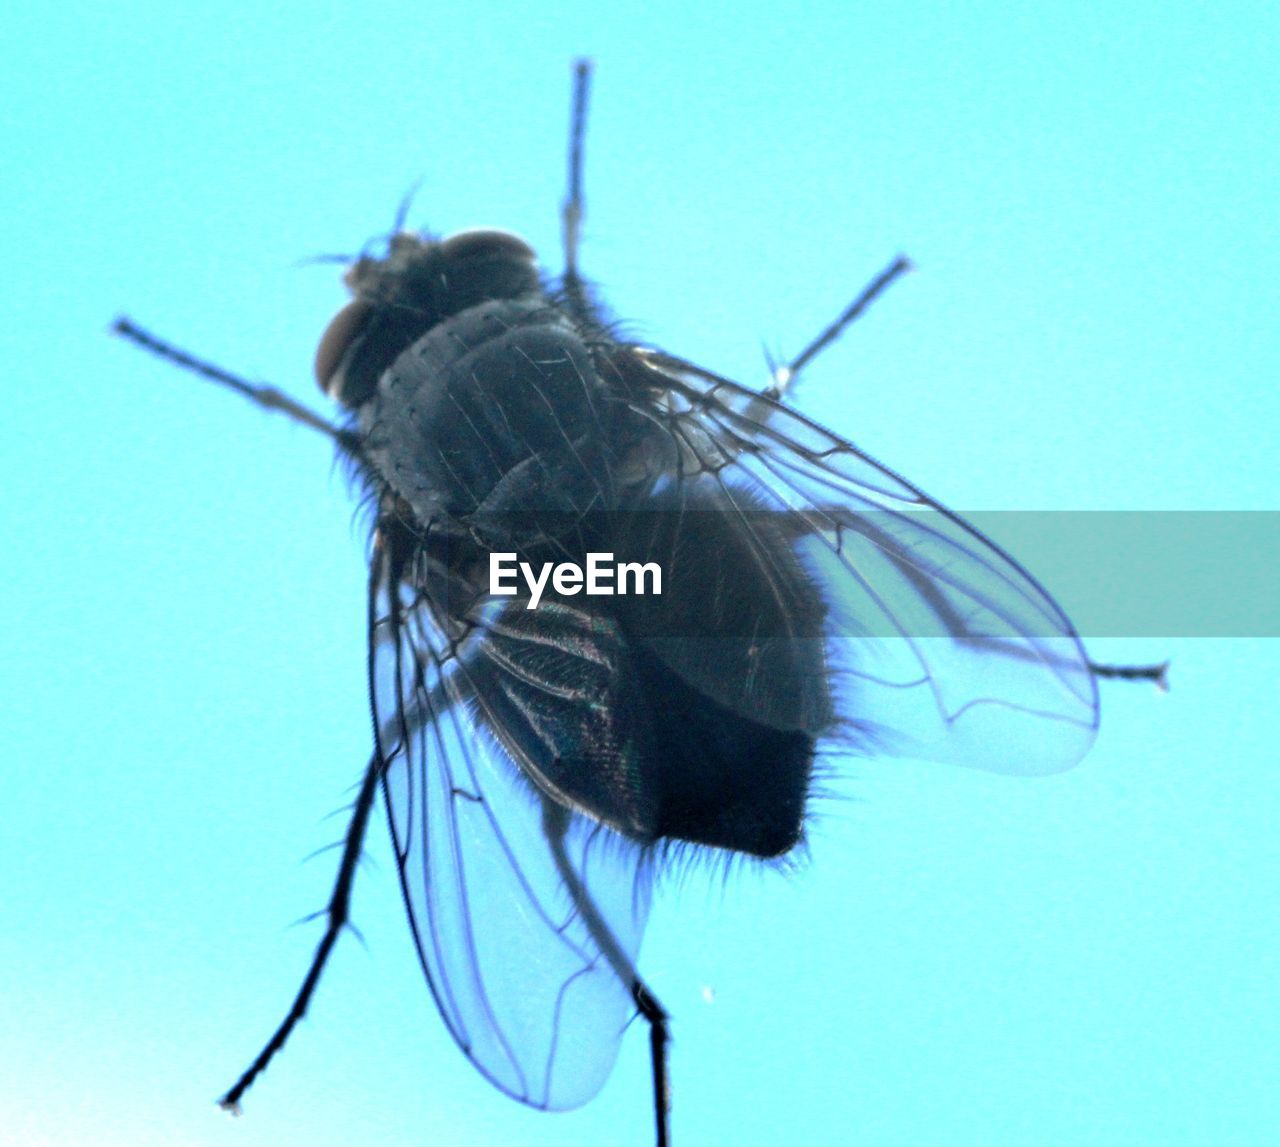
(541,759)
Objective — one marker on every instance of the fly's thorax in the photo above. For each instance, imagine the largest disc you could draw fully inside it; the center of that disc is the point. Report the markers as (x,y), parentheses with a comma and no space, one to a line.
(417,285)
(499,410)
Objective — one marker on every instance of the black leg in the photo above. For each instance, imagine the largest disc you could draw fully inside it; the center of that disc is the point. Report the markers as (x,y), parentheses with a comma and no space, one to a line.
(659,1037)
(1159,674)
(555,823)
(268,397)
(784,376)
(339,913)
(572,211)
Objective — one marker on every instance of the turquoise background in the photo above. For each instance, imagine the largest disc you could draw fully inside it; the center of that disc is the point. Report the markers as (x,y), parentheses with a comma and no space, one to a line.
(968,959)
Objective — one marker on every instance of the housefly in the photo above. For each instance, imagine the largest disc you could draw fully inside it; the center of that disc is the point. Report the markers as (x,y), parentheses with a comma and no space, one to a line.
(542,751)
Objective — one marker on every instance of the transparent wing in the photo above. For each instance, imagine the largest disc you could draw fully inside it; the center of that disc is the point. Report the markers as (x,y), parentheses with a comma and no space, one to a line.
(940,645)
(527,918)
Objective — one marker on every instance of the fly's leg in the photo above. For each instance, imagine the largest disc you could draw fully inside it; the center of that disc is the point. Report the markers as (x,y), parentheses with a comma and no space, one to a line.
(339,908)
(659,1037)
(572,211)
(268,397)
(555,824)
(785,375)
(339,914)
(1157,674)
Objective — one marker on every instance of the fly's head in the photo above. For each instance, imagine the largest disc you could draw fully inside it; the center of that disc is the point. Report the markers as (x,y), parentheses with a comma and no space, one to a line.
(416,285)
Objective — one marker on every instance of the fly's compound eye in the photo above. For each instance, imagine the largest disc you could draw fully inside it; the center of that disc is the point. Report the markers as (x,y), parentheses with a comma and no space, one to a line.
(398,298)
(337,339)
(487,264)
(486,244)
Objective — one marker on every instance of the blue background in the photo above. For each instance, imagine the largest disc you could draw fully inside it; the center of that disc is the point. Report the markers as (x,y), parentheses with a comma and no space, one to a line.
(1084,959)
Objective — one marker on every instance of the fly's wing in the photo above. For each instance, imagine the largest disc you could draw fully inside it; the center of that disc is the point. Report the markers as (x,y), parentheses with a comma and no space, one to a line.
(939,644)
(514,961)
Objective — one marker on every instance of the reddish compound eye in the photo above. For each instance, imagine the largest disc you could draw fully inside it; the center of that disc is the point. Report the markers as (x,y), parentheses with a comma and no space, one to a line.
(485,243)
(334,343)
